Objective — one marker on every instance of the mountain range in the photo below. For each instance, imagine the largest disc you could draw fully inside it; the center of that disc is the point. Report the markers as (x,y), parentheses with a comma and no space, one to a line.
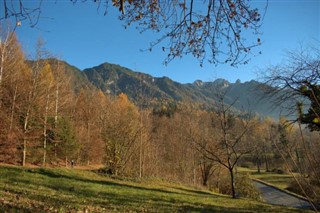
(114,79)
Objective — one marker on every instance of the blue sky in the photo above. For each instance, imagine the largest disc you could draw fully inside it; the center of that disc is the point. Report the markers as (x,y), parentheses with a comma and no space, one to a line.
(82,36)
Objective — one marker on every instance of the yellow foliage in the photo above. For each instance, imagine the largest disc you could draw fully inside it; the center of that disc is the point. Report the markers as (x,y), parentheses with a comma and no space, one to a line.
(101,95)
(46,74)
(316,120)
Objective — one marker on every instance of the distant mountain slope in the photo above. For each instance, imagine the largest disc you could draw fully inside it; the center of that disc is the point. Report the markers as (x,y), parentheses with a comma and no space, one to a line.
(113,79)
(77,78)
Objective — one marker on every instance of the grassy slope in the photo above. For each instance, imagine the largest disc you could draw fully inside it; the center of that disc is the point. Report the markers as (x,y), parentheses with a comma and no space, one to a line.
(67,190)
(279,180)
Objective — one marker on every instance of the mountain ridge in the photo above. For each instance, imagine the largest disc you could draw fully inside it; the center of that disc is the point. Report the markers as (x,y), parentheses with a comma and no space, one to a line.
(113,79)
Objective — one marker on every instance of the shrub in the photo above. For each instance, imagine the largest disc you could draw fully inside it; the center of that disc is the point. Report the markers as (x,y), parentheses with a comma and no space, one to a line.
(245,188)
(309,186)
(278,171)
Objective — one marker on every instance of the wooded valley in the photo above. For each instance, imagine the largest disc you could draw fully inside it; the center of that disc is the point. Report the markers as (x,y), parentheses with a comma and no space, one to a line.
(48,118)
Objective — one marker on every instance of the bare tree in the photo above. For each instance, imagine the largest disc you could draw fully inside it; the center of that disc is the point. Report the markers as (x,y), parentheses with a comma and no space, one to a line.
(19,11)
(227,146)
(210,29)
(295,80)
(296,83)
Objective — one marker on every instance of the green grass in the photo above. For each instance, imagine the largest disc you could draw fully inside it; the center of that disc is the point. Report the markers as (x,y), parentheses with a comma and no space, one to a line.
(279,180)
(71,190)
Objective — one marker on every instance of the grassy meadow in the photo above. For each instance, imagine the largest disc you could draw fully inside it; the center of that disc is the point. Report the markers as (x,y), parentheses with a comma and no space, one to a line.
(74,190)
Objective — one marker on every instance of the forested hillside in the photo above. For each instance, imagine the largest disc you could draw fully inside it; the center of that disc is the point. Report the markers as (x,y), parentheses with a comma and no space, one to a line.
(132,125)
(248,96)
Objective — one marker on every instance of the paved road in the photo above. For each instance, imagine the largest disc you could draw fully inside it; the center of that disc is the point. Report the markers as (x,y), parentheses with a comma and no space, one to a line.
(274,196)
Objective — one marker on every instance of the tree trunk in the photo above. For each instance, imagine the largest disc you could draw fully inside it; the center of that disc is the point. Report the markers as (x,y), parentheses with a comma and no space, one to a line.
(45,131)
(13,108)
(205,181)
(193,170)
(44,149)
(88,142)
(2,63)
(56,117)
(206,172)
(140,152)
(233,188)
(24,152)
(267,163)
(25,129)
(140,148)
(298,161)
(259,165)
(3,56)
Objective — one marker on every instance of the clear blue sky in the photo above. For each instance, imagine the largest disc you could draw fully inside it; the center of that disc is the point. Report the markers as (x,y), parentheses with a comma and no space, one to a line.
(85,38)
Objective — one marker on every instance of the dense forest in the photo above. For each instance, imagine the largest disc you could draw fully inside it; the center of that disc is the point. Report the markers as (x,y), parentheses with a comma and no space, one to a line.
(47,118)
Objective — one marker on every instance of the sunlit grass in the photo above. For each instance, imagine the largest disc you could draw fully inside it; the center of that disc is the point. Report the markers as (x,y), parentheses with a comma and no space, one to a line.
(70,190)
(281,181)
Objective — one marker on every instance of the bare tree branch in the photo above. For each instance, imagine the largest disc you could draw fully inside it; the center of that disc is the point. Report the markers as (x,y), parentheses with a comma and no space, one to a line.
(192,28)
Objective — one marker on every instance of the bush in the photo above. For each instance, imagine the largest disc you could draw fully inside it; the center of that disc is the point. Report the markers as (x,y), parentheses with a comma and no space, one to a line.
(245,188)
(311,188)
(224,185)
(278,171)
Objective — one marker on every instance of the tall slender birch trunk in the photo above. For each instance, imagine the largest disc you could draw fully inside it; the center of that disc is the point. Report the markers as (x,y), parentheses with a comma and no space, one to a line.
(13,108)
(45,129)
(56,114)
(25,140)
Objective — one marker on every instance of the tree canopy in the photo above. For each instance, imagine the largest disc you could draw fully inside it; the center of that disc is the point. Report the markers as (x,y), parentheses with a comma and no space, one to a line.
(212,30)
(297,80)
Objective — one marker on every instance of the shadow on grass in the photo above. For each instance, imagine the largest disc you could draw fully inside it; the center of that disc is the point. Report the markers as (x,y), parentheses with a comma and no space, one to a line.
(72,191)
(52,174)
(210,209)
(197,192)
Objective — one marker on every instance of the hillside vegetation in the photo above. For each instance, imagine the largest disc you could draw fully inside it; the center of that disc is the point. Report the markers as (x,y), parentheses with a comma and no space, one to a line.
(58,118)
(72,190)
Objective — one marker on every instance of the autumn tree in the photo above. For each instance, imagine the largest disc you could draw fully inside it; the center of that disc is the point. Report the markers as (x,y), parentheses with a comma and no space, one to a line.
(198,135)
(214,30)
(6,37)
(120,133)
(264,136)
(227,145)
(258,146)
(13,70)
(47,85)
(88,115)
(33,95)
(268,134)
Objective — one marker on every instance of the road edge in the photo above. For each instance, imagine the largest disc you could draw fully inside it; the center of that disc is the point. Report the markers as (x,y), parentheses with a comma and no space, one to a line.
(283,190)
